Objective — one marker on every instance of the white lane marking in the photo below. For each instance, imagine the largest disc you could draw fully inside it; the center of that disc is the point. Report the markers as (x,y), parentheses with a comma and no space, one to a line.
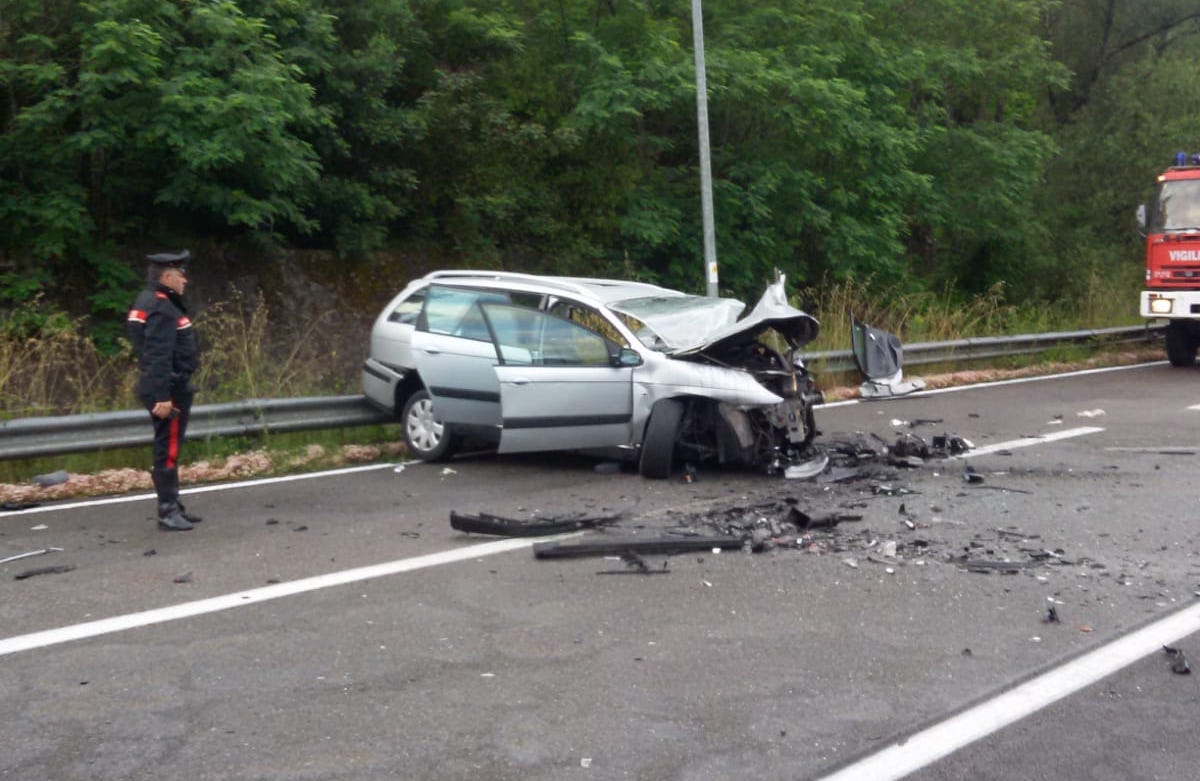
(255,596)
(946,737)
(198,489)
(1195,406)
(995,384)
(1052,436)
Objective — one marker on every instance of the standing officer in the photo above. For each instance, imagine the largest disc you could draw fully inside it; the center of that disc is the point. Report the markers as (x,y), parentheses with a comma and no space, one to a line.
(165,344)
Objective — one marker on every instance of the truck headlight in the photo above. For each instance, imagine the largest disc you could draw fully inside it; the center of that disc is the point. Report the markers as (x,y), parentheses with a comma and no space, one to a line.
(1160,306)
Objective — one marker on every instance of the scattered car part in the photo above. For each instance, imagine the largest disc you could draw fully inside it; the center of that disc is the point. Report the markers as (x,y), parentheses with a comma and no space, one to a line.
(485,523)
(989,565)
(635,565)
(879,357)
(803,521)
(617,547)
(811,468)
(1179,661)
(54,570)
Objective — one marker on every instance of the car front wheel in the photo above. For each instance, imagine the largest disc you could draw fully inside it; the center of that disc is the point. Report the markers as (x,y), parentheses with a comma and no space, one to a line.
(658,446)
(426,438)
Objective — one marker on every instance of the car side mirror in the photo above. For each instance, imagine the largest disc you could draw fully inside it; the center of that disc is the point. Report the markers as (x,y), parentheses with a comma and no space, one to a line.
(627,357)
(1141,218)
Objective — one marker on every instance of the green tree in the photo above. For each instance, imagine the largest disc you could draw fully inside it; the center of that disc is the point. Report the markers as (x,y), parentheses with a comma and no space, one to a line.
(127,118)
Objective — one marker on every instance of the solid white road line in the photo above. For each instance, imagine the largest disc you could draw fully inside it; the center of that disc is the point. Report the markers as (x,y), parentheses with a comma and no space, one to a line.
(200,489)
(1052,436)
(946,737)
(996,384)
(255,596)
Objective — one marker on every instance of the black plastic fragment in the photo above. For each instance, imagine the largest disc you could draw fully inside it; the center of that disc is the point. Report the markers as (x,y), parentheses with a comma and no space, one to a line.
(990,565)
(804,521)
(485,523)
(659,545)
(57,569)
(635,565)
(1179,661)
(1051,616)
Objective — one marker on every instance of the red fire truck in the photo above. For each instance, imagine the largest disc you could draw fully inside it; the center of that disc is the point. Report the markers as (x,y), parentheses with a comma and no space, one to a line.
(1171,225)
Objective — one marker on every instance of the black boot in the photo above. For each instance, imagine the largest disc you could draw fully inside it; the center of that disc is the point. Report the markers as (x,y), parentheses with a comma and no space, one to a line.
(170,479)
(166,485)
(171,519)
(190,517)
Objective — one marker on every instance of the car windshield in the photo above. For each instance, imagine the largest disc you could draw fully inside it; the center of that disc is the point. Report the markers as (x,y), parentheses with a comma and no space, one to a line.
(675,322)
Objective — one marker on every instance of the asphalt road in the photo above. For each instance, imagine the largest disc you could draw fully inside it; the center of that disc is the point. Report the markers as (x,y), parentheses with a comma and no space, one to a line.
(335,627)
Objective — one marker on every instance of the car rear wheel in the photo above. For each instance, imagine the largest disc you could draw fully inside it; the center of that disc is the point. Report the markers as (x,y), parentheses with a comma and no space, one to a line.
(426,438)
(1181,344)
(658,446)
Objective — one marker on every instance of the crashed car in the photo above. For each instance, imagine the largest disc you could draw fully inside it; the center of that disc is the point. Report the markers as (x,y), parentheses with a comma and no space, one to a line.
(541,363)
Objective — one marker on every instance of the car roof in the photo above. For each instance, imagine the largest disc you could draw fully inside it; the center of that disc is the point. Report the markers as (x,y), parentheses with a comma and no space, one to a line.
(601,290)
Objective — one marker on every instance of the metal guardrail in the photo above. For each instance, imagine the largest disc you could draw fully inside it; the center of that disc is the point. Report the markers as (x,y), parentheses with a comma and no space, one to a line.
(984,347)
(47,436)
(30,437)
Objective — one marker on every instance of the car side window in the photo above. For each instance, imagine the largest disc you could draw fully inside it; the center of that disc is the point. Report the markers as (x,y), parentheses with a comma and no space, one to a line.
(408,311)
(455,311)
(588,318)
(530,338)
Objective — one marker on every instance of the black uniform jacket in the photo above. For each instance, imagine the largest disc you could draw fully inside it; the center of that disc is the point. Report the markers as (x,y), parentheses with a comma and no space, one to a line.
(164,341)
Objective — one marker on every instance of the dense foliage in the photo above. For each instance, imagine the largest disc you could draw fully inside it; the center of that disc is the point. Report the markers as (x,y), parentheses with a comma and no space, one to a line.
(945,143)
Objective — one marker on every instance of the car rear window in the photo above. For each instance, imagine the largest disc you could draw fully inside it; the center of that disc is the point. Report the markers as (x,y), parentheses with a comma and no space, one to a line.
(408,310)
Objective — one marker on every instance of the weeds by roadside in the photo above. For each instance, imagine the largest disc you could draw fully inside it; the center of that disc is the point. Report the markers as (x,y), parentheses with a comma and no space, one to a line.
(54,368)
(925,316)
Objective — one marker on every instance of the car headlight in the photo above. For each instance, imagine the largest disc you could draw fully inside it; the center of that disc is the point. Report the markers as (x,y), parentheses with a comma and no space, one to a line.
(1160,306)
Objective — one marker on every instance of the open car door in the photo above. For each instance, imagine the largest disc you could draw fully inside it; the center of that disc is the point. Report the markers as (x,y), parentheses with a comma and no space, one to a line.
(560,385)
(455,356)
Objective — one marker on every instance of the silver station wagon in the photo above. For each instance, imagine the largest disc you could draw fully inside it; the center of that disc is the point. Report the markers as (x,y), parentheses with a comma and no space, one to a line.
(528,363)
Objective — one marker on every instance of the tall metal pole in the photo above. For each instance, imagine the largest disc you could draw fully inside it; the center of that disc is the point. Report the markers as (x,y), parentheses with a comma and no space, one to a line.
(706,198)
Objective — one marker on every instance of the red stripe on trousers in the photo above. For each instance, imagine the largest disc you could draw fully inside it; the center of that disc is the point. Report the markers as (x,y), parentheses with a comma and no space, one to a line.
(173,443)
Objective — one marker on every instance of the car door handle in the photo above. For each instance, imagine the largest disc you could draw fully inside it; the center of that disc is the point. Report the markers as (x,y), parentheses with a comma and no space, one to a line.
(432,351)
(520,380)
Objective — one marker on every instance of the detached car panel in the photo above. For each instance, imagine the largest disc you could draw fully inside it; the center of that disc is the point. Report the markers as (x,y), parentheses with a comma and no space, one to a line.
(553,363)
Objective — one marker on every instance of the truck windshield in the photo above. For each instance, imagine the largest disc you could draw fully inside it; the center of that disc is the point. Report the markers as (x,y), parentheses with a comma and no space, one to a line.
(1177,206)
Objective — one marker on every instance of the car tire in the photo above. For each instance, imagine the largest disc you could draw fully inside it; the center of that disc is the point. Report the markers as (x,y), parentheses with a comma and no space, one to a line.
(658,446)
(1181,346)
(425,437)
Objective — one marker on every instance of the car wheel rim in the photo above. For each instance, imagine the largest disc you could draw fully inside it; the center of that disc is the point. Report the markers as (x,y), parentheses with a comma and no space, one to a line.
(423,431)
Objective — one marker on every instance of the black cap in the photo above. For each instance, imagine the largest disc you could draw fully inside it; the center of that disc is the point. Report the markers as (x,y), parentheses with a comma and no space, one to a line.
(170,259)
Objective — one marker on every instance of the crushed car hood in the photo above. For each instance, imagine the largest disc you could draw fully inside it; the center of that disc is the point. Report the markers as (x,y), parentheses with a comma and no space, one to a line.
(686,325)
(771,313)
